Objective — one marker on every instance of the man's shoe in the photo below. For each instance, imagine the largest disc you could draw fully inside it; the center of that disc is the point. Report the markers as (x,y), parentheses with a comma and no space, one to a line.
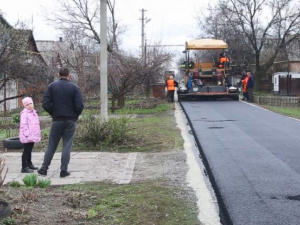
(32,167)
(42,172)
(64,173)
(26,170)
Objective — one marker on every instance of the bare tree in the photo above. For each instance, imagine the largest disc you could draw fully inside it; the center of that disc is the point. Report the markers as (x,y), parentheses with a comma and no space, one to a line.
(125,72)
(129,72)
(264,25)
(157,60)
(216,25)
(81,54)
(84,16)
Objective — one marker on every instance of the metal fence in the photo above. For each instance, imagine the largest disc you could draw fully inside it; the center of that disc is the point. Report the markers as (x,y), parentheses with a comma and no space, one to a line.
(289,86)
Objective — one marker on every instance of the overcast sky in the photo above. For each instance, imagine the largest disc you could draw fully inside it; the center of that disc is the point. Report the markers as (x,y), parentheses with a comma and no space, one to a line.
(172,22)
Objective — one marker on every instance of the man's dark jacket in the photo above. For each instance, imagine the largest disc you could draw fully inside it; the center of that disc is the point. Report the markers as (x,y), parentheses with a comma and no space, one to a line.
(63,100)
(250,83)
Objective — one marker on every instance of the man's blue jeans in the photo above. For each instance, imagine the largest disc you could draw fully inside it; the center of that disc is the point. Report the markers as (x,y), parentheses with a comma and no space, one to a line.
(60,130)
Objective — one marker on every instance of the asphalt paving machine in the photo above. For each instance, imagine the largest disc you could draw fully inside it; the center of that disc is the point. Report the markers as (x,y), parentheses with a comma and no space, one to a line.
(207,78)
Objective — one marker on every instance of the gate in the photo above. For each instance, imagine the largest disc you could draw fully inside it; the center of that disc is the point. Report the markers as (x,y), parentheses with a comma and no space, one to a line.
(289,85)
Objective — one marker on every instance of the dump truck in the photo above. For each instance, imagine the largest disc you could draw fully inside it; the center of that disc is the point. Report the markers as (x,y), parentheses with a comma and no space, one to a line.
(206,78)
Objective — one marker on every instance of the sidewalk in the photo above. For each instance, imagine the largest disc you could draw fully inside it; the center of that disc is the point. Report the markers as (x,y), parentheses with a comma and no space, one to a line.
(84,166)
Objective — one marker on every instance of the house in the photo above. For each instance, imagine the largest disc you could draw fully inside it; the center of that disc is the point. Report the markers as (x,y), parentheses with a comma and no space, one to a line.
(80,56)
(51,52)
(286,83)
(35,84)
(286,71)
(20,62)
(9,88)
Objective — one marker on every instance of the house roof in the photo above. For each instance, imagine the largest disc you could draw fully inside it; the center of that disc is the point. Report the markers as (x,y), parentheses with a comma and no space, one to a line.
(50,50)
(4,22)
(50,46)
(26,32)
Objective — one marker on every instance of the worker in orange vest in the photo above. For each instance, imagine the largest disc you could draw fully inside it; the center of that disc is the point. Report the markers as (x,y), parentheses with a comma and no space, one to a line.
(222,60)
(245,91)
(171,84)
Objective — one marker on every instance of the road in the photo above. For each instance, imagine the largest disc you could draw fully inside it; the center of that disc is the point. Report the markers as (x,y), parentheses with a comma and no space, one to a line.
(253,159)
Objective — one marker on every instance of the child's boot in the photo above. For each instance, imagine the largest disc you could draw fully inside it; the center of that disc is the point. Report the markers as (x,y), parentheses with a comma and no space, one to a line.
(32,167)
(26,170)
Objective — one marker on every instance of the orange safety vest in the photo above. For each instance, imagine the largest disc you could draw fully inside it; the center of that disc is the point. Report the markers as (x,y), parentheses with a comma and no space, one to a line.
(170,85)
(245,81)
(222,61)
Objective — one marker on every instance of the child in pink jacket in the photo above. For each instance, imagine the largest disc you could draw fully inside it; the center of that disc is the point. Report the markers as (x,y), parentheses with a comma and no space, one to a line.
(30,133)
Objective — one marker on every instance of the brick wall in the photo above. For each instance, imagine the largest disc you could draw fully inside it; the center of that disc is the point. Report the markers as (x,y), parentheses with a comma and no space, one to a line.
(158,90)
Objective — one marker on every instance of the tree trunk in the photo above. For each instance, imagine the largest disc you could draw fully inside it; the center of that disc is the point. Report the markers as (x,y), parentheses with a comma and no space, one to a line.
(113,103)
(259,74)
(147,87)
(121,100)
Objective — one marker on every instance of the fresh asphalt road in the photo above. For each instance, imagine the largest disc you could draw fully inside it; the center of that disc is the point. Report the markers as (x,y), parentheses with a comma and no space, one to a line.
(254,160)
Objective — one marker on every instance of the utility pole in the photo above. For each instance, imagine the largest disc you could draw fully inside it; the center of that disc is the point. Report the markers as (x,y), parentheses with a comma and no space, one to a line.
(144,21)
(103,60)
(143,32)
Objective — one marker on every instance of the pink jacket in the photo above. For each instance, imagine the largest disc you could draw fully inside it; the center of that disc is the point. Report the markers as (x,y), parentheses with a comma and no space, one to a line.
(30,130)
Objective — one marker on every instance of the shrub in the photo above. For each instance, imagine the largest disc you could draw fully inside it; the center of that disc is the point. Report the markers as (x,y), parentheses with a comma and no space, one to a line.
(94,131)
(43,183)
(16,118)
(15,184)
(45,133)
(30,180)
(8,221)
(92,213)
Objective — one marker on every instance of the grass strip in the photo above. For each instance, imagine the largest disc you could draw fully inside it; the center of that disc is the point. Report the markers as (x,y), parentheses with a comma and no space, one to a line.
(141,203)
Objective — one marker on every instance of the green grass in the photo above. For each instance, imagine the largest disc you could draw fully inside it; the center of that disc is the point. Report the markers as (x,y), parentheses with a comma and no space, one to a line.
(90,111)
(137,203)
(154,130)
(159,108)
(150,133)
(8,128)
(156,133)
(128,109)
(287,111)
(2,134)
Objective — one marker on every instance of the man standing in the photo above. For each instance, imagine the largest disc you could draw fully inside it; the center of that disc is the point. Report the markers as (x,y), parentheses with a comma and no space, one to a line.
(171,84)
(250,86)
(63,101)
(244,82)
